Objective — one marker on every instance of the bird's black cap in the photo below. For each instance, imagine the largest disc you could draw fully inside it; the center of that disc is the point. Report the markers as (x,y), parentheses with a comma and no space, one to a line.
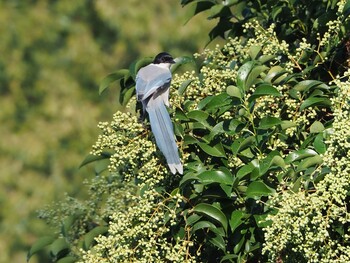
(163,57)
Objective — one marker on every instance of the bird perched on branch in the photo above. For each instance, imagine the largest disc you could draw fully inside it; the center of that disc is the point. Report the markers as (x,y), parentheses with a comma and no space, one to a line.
(152,89)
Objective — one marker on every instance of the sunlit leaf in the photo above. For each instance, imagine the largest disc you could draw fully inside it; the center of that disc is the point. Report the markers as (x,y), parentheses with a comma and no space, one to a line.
(242,75)
(264,90)
(300,154)
(316,127)
(258,189)
(209,177)
(309,161)
(234,91)
(315,101)
(216,150)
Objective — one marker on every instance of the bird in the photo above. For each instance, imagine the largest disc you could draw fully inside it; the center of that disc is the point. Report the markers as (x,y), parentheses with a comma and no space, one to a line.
(152,89)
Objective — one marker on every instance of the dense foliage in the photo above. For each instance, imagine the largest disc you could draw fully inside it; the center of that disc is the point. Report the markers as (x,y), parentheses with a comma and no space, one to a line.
(263,128)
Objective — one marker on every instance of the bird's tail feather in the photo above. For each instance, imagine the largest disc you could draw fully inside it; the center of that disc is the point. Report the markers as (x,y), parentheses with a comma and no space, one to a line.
(162,129)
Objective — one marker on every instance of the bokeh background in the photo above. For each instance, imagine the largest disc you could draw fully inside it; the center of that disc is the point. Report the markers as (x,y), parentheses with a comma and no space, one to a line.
(53,55)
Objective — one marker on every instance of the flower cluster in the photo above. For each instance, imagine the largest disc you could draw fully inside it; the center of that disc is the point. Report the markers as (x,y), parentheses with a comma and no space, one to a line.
(133,154)
(314,227)
(141,234)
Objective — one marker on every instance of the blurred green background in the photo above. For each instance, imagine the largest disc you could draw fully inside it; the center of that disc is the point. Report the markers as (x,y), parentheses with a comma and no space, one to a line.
(53,55)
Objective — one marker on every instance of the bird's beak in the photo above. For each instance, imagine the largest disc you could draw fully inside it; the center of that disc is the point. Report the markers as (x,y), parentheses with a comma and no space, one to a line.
(173,61)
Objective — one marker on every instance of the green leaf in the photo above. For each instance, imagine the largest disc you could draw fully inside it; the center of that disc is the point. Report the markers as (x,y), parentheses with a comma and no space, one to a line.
(254,74)
(315,101)
(316,127)
(245,170)
(184,86)
(197,7)
(346,9)
(201,117)
(306,85)
(239,245)
(219,242)
(233,91)
(67,224)
(275,74)
(89,238)
(67,260)
(109,79)
(217,150)
(300,154)
(269,122)
(242,144)
(93,158)
(254,51)
(260,220)
(59,247)
(264,90)
(309,162)
(203,225)
(192,219)
(212,212)
(39,245)
(258,189)
(236,219)
(220,177)
(242,75)
(319,144)
(180,61)
(126,94)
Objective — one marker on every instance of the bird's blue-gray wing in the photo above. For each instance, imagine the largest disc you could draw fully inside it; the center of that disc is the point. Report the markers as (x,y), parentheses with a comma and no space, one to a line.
(151,78)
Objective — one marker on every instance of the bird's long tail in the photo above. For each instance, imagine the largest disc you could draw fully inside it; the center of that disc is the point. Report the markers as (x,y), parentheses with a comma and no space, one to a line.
(162,129)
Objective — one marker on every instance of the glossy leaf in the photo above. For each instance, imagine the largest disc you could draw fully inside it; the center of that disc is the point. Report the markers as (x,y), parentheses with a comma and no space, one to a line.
(109,79)
(258,189)
(220,177)
(264,90)
(67,260)
(254,74)
(216,150)
(316,127)
(306,85)
(59,247)
(319,144)
(234,91)
(184,86)
(212,212)
(219,242)
(269,122)
(300,154)
(242,75)
(274,75)
(243,144)
(309,162)
(203,225)
(93,158)
(236,219)
(89,238)
(39,245)
(315,101)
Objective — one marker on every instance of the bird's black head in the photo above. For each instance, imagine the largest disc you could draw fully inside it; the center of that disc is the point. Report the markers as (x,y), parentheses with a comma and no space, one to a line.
(163,57)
